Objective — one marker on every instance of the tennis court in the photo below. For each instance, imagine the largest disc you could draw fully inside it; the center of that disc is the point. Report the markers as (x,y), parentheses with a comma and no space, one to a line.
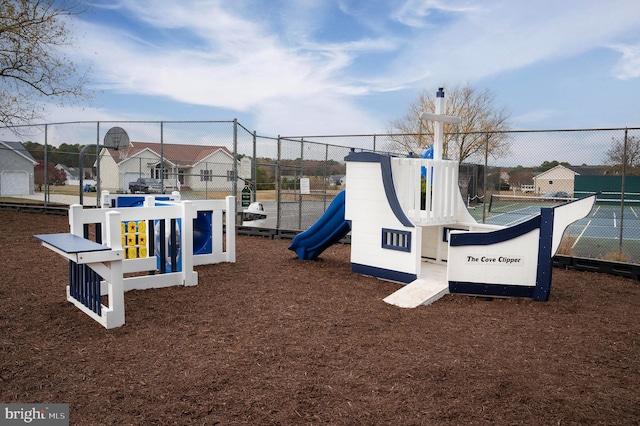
(607,230)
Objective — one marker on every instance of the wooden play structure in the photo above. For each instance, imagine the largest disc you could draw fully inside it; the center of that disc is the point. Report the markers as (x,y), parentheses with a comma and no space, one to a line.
(160,235)
(409,224)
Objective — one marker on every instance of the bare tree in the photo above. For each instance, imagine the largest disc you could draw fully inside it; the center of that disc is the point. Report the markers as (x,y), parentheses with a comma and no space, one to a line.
(33,65)
(482,123)
(615,155)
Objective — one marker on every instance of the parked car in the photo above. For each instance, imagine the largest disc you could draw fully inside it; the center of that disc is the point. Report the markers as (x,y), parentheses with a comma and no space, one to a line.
(502,186)
(145,185)
(556,195)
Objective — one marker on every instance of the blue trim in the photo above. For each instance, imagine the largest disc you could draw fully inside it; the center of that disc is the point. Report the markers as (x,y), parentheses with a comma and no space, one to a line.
(385,274)
(131,201)
(491,290)
(545,263)
(390,192)
(493,237)
(363,157)
(387,181)
(446,232)
(202,233)
(403,240)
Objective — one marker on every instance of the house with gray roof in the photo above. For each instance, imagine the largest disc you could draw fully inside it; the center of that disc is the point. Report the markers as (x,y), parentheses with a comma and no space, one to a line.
(16,169)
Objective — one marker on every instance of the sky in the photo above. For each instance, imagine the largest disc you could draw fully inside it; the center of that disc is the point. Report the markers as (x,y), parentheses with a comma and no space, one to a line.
(322,67)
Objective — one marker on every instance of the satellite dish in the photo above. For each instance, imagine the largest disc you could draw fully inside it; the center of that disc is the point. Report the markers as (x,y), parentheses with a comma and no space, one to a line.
(116,138)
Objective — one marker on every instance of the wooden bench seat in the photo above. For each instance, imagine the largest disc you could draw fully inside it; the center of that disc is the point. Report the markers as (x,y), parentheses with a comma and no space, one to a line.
(78,249)
(70,243)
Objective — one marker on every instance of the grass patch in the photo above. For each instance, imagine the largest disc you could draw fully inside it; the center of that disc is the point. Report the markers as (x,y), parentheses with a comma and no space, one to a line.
(566,245)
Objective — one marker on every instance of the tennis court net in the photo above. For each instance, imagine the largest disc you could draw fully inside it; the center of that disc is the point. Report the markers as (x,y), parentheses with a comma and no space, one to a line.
(523,204)
(531,205)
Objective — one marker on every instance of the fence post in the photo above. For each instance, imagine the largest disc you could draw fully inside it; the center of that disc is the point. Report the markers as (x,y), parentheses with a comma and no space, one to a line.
(326,178)
(484,178)
(45,176)
(162,156)
(255,168)
(278,189)
(206,180)
(81,161)
(235,158)
(624,172)
(98,190)
(299,187)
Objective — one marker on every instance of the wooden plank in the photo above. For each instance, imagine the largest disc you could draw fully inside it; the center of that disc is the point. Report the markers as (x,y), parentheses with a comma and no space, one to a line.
(430,286)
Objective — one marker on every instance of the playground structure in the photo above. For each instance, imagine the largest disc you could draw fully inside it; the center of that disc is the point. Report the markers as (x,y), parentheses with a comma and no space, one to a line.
(161,235)
(409,224)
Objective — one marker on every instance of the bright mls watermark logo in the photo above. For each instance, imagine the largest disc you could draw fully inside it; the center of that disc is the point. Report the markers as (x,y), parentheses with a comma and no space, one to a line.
(37,414)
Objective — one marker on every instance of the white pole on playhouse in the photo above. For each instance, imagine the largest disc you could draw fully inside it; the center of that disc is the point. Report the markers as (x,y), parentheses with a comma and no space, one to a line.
(438,128)
(440,119)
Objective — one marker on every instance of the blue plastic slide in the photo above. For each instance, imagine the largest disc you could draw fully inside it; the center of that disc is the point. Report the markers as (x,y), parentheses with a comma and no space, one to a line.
(328,230)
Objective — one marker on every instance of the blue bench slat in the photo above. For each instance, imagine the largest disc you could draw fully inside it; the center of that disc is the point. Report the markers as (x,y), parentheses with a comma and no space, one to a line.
(70,243)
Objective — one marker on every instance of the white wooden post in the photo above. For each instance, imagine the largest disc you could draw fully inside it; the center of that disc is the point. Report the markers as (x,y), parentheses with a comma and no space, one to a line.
(75,224)
(231,228)
(190,277)
(115,312)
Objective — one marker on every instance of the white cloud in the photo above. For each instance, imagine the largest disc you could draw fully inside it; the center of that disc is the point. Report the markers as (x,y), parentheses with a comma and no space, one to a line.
(502,36)
(534,117)
(277,68)
(236,68)
(414,13)
(236,64)
(84,125)
(629,65)
(315,116)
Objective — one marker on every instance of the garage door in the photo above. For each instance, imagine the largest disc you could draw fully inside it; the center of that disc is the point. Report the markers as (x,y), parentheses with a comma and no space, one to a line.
(14,182)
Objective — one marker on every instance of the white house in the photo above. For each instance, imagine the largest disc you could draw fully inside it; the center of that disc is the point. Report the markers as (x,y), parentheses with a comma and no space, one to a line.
(558,178)
(72,175)
(337,180)
(16,169)
(194,166)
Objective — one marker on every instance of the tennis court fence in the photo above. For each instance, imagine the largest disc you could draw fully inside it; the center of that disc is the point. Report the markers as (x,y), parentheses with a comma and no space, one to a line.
(296,177)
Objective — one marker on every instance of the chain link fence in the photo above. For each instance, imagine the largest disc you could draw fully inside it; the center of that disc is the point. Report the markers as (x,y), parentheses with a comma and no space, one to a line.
(503,177)
(506,177)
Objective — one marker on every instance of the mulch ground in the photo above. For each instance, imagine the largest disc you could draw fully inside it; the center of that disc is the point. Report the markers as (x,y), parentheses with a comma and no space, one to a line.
(275,340)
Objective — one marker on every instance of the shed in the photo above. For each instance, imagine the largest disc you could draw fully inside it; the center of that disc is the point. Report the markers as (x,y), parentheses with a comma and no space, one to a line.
(16,169)
(558,178)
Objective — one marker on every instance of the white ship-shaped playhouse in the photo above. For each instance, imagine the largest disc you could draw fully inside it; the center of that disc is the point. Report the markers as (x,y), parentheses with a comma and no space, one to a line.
(409,224)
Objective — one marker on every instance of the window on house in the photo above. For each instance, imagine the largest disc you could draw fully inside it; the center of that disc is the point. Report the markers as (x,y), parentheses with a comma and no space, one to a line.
(396,240)
(230,176)
(550,182)
(206,175)
(159,173)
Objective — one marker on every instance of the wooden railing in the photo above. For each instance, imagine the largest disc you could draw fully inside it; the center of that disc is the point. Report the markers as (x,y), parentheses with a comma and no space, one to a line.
(427,190)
